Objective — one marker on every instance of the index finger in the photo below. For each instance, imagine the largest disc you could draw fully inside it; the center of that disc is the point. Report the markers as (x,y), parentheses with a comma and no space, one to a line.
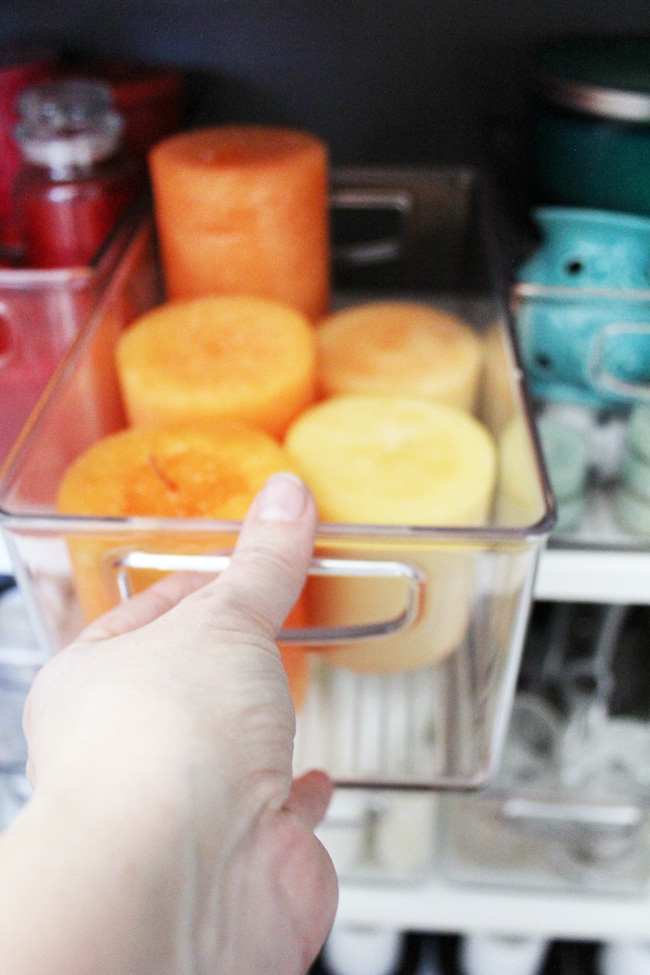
(267,572)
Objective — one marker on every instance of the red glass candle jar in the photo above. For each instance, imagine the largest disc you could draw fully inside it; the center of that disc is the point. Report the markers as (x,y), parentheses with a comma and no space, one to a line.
(148,97)
(76,180)
(20,68)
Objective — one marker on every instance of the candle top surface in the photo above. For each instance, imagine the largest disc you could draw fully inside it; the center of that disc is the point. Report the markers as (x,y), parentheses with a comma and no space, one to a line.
(172,472)
(236,147)
(395,346)
(400,460)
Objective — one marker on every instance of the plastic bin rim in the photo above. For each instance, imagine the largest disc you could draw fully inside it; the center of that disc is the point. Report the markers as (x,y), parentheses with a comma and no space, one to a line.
(530,291)
(468,534)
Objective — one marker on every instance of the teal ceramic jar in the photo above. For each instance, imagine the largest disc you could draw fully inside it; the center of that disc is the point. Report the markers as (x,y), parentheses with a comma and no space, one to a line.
(591,124)
(584,325)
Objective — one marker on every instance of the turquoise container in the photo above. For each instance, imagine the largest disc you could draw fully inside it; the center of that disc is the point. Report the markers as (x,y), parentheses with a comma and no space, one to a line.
(582,307)
(591,124)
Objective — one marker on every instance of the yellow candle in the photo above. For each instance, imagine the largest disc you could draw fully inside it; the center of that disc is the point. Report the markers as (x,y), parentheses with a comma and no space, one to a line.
(404,461)
(394,460)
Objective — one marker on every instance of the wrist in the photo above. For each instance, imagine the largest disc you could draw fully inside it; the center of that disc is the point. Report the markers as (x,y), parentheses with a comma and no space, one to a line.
(105,879)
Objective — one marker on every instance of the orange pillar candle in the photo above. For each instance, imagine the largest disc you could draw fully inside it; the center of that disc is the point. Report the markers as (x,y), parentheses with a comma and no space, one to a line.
(402,347)
(172,472)
(240,358)
(244,210)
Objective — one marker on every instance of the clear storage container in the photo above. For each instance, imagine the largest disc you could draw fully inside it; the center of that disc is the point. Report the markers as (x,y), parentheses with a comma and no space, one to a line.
(612,334)
(456,598)
(568,810)
(41,312)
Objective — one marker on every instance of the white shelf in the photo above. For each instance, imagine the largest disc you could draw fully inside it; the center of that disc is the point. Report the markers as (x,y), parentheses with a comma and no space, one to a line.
(597,563)
(434,905)
(541,902)
(593,576)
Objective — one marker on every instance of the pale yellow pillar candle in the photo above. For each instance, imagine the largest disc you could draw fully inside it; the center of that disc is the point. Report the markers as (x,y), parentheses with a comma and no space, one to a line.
(399,461)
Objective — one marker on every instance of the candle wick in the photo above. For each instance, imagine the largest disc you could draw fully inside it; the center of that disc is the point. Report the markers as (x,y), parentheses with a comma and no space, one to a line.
(167,481)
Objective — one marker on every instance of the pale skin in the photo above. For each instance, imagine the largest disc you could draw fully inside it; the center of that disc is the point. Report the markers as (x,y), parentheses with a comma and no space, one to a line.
(165,835)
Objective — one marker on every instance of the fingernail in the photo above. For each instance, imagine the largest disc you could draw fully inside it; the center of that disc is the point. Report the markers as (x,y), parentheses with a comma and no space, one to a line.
(282,498)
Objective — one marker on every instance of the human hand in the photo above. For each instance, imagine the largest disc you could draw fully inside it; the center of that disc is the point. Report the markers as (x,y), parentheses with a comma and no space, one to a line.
(164,737)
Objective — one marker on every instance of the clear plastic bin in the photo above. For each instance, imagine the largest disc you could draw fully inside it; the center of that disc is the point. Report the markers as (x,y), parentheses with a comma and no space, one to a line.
(41,313)
(454,601)
(591,386)
(561,814)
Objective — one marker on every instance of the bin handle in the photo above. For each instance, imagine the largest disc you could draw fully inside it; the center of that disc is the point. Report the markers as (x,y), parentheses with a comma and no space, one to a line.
(573,812)
(311,636)
(378,251)
(598,373)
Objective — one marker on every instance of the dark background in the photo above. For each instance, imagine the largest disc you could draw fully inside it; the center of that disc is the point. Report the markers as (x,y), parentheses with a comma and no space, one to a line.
(394,81)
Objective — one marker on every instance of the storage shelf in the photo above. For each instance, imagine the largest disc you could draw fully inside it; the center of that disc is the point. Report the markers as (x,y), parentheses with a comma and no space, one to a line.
(593,576)
(596,563)
(434,905)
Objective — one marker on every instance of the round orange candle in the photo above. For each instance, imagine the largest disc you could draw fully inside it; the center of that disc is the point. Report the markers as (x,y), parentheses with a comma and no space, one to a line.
(244,210)
(240,358)
(403,347)
(171,472)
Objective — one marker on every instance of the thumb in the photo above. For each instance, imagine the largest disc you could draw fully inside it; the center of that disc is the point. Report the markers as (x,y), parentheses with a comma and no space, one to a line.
(309,797)
(269,565)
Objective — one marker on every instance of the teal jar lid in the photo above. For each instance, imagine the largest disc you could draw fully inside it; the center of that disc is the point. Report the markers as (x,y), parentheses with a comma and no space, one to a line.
(566,453)
(606,77)
(638,432)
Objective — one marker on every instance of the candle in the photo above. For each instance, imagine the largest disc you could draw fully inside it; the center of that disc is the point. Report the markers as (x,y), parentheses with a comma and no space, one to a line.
(394,460)
(244,210)
(405,461)
(75,182)
(399,347)
(234,357)
(519,500)
(170,472)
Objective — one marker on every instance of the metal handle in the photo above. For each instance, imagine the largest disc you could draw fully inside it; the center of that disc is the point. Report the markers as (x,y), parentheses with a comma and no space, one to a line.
(311,636)
(598,373)
(377,251)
